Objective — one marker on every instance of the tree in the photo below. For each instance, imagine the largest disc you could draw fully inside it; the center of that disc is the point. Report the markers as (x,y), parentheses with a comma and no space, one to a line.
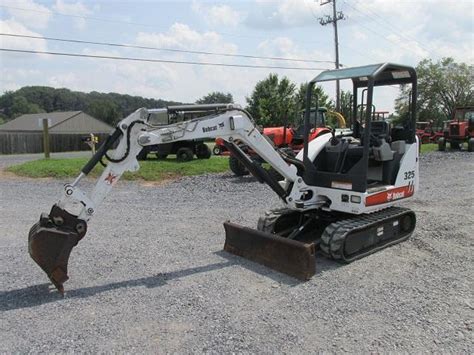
(318,91)
(108,107)
(20,106)
(441,87)
(272,102)
(104,110)
(345,101)
(216,97)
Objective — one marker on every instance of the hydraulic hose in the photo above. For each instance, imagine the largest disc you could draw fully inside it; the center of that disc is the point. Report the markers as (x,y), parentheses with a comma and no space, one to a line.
(111,139)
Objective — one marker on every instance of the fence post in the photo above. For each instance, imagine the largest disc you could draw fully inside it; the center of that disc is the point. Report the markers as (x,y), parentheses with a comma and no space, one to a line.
(46,138)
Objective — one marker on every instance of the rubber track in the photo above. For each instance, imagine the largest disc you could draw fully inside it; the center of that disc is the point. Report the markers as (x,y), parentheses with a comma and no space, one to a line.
(333,237)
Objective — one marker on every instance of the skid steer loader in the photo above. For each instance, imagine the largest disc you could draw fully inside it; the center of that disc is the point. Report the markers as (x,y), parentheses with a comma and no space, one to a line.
(339,192)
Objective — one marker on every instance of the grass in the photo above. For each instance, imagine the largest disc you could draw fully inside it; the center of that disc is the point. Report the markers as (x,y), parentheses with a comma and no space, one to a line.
(150,170)
(431,147)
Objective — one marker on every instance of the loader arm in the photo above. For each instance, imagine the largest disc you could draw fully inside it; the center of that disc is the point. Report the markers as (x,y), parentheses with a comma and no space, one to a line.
(53,237)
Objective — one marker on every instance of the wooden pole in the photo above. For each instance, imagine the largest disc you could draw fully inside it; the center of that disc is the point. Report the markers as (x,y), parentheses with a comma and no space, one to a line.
(46,138)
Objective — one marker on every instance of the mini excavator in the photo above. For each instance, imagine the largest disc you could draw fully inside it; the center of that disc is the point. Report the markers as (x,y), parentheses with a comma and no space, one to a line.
(339,192)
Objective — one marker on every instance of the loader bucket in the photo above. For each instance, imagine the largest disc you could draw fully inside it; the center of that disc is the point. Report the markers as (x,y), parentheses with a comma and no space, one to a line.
(285,255)
(51,240)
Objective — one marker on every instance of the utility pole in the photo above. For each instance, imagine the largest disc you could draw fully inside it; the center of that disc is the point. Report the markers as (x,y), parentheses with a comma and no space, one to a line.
(46,137)
(336,16)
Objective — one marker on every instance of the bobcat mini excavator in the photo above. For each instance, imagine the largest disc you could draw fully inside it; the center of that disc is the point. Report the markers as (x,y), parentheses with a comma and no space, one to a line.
(338,193)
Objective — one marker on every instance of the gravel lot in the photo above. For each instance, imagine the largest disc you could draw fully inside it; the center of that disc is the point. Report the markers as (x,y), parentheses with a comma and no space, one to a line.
(150,275)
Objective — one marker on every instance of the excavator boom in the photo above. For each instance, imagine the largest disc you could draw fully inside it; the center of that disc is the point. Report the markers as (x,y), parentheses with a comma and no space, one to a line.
(52,239)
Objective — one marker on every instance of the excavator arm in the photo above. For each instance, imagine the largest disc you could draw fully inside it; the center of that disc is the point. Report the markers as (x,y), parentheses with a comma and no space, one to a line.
(51,239)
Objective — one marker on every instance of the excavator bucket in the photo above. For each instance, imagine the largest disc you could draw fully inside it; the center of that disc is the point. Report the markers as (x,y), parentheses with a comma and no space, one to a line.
(285,255)
(51,240)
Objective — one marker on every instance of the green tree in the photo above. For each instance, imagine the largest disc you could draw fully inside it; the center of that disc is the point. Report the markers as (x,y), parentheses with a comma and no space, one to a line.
(441,87)
(345,101)
(318,91)
(47,99)
(20,106)
(104,110)
(216,97)
(272,102)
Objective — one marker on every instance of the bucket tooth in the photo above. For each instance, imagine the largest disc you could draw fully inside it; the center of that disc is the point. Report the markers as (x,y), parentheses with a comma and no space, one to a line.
(287,256)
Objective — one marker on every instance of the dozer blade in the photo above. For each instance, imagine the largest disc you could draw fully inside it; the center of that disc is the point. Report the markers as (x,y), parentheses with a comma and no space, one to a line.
(51,240)
(281,254)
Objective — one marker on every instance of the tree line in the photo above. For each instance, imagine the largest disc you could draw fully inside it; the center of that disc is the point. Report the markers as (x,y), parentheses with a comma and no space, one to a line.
(275,100)
(107,107)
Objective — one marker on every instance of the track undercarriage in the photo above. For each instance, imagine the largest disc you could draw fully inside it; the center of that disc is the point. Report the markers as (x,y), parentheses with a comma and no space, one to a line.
(341,237)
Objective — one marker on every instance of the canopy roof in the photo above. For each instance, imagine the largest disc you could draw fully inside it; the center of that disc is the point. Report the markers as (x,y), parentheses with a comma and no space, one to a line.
(383,74)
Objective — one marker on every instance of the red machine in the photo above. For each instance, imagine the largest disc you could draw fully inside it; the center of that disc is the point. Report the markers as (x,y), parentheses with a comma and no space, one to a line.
(460,130)
(439,133)
(425,131)
(286,136)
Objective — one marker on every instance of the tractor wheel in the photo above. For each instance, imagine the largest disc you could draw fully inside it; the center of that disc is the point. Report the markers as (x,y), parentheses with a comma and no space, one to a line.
(217,150)
(143,154)
(456,145)
(442,144)
(203,151)
(161,156)
(237,167)
(184,154)
(470,145)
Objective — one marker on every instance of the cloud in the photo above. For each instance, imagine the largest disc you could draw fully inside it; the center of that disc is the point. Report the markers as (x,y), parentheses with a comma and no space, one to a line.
(36,16)
(13,79)
(218,15)
(284,14)
(14,27)
(412,31)
(76,9)
(65,80)
(181,36)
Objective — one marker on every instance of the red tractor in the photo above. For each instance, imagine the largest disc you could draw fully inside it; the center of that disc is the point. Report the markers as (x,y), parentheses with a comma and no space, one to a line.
(425,131)
(460,129)
(439,132)
(286,137)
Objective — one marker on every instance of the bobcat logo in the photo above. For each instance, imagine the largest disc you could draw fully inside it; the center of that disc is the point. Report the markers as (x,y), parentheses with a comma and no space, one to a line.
(395,195)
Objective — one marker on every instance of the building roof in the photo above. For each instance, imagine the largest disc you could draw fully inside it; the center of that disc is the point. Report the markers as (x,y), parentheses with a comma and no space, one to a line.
(33,122)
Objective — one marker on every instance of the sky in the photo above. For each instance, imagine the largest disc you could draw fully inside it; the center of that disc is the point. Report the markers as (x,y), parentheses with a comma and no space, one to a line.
(374,31)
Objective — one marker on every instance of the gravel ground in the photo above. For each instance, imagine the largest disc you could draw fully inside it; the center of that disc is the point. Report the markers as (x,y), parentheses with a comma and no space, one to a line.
(150,275)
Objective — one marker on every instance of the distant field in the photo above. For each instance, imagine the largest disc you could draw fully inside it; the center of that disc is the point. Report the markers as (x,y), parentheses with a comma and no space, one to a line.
(150,170)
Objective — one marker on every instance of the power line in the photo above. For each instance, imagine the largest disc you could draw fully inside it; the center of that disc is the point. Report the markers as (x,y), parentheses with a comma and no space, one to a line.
(398,30)
(378,34)
(395,30)
(103,19)
(156,60)
(163,49)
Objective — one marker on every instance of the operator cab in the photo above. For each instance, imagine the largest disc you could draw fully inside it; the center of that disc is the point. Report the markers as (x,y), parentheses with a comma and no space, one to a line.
(371,156)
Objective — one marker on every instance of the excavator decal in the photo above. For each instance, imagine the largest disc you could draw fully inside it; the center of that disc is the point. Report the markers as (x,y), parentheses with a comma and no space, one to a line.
(110,179)
(390,195)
